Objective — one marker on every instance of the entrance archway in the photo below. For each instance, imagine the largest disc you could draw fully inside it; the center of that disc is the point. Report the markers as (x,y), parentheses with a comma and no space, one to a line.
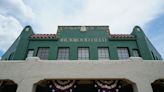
(8,86)
(158,85)
(98,85)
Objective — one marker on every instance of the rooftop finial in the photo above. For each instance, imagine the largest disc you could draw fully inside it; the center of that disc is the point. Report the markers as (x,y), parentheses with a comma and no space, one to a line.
(83,29)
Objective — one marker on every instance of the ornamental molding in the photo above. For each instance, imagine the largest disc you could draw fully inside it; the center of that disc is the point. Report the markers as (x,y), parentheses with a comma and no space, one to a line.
(83,29)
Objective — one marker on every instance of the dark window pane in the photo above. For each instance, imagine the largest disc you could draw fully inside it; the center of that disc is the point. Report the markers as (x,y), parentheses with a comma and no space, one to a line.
(123,53)
(43,53)
(83,53)
(63,54)
(103,53)
(30,53)
(135,53)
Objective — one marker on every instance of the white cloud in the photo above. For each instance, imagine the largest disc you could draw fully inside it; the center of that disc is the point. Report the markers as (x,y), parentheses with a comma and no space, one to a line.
(120,15)
(13,14)
(17,9)
(10,28)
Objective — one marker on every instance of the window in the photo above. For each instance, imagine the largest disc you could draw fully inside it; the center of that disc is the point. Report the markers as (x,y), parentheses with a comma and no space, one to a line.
(103,53)
(123,53)
(153,55)
(11,56)
(83,53)
(135,53)
(43,53)
(30,53)
(63,54)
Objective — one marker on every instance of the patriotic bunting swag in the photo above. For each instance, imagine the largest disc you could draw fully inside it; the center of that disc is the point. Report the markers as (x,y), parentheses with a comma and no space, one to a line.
(69,85)
(107,85)
(61,85)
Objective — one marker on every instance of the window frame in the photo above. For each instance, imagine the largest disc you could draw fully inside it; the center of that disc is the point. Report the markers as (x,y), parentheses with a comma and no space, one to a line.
(28,52)
(123,58)
(11,56)
(44,54)
(81,58)
(153,56)
(57,58)
(137,52)
(103,58)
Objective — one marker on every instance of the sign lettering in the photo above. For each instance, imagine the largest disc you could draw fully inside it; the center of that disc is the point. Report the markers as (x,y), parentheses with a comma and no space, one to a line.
(83,39)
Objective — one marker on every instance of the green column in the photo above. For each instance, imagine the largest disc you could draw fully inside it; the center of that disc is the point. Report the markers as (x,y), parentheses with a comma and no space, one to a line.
(73,53)
(113,53)
(53,53)
(93,52)
(142,43)
(20,53)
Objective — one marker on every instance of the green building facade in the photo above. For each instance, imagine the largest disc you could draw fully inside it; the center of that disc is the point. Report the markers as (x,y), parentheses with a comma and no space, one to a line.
(82,43)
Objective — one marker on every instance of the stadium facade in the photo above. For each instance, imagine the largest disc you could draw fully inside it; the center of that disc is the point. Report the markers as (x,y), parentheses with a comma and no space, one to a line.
(82,59)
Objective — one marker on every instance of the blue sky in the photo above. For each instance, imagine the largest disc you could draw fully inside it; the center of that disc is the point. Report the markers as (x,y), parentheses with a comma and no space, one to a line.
(156,33)
(45,15)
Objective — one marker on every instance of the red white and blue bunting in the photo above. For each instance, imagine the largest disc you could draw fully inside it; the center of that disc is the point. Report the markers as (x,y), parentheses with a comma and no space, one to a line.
(70,85)
(107,85)
(61,85)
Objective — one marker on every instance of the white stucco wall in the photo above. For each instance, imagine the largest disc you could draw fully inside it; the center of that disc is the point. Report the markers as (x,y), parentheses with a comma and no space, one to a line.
(27,73)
